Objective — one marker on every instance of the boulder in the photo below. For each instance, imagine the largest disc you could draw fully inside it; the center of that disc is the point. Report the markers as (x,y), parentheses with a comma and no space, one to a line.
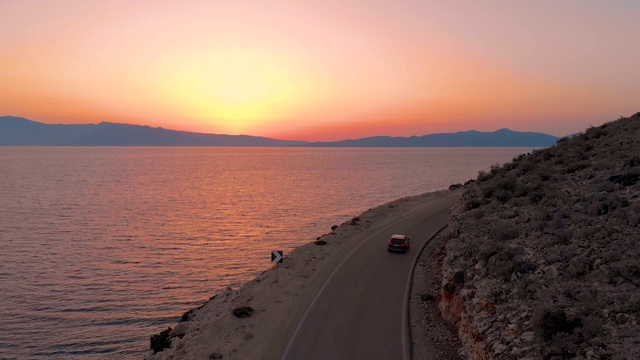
(160,341)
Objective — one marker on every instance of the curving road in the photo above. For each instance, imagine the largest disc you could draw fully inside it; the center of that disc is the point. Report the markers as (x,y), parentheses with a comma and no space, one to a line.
(360,312)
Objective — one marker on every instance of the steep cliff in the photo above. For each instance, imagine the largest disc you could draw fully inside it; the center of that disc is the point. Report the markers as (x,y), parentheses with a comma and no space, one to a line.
(543,256)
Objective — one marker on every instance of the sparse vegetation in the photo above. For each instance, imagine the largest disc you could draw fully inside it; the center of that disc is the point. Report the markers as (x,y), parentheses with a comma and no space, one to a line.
(426,297)
(215,356)
(549,245)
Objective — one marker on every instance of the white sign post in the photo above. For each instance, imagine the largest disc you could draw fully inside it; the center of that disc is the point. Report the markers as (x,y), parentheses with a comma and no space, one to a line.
(277,257)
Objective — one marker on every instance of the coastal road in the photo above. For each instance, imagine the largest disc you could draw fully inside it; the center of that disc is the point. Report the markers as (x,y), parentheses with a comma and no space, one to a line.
(361,311)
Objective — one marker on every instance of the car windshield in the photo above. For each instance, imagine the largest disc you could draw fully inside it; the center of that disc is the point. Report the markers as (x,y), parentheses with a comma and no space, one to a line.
(397,241)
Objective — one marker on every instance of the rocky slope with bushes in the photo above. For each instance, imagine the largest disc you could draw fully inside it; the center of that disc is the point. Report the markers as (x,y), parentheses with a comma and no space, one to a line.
(543,255)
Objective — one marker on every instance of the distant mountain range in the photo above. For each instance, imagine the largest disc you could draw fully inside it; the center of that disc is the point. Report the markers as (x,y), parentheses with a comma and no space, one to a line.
(17,131)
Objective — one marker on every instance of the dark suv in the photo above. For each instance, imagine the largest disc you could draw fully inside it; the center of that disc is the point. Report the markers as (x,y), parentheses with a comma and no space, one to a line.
(399,243)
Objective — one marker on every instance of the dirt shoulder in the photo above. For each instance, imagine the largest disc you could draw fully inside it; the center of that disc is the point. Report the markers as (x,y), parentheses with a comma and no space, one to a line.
(432,337)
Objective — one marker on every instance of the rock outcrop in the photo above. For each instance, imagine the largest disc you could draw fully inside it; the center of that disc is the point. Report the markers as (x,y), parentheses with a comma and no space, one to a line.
(160,341)
(543,256)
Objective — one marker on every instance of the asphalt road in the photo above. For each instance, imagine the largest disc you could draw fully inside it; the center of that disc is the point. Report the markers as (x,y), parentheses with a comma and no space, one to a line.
(360,313)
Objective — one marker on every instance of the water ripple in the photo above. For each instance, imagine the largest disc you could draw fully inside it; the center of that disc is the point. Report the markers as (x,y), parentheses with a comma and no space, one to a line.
(101,247)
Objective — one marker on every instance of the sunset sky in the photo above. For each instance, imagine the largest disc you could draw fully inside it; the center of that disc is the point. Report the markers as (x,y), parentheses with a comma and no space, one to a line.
(322,70)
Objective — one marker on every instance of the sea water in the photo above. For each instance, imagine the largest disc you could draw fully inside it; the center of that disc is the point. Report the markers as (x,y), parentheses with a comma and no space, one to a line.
(100,247)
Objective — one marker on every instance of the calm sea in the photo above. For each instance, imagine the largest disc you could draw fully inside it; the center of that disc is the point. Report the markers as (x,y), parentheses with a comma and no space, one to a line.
(102,247)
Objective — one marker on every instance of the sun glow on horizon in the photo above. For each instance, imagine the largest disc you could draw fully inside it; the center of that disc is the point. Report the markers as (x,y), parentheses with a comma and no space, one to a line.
(320,70)
(235,89)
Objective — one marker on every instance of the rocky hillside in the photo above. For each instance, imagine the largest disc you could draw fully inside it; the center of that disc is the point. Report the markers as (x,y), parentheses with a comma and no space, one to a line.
(543,256)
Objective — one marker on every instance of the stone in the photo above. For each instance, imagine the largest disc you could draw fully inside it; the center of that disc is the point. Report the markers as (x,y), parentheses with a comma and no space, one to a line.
(160,341)
(528,336)
(189,315)
(621,319)
(180,330)
(551,273)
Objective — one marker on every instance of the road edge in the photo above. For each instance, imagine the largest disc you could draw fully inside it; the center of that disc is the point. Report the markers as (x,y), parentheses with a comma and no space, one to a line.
(406,331)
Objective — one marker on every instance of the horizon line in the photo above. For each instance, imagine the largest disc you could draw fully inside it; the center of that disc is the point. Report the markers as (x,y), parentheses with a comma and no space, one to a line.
(280,139)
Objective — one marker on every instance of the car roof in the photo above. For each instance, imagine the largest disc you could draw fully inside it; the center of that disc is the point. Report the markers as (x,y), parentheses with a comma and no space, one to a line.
(399,237)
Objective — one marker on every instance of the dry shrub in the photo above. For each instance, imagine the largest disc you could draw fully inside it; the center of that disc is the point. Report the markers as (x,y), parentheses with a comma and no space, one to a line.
(243,311)
(505,231)
(550,320)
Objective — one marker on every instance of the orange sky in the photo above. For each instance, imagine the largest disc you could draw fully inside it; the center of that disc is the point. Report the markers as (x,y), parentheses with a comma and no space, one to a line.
(321,70)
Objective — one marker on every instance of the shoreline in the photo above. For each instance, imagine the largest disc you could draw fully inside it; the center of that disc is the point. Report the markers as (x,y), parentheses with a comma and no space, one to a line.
(212,331)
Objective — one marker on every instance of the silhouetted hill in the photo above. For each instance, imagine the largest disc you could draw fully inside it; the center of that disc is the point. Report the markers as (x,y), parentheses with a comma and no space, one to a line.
(16,131)
(543,253)
(472,138)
